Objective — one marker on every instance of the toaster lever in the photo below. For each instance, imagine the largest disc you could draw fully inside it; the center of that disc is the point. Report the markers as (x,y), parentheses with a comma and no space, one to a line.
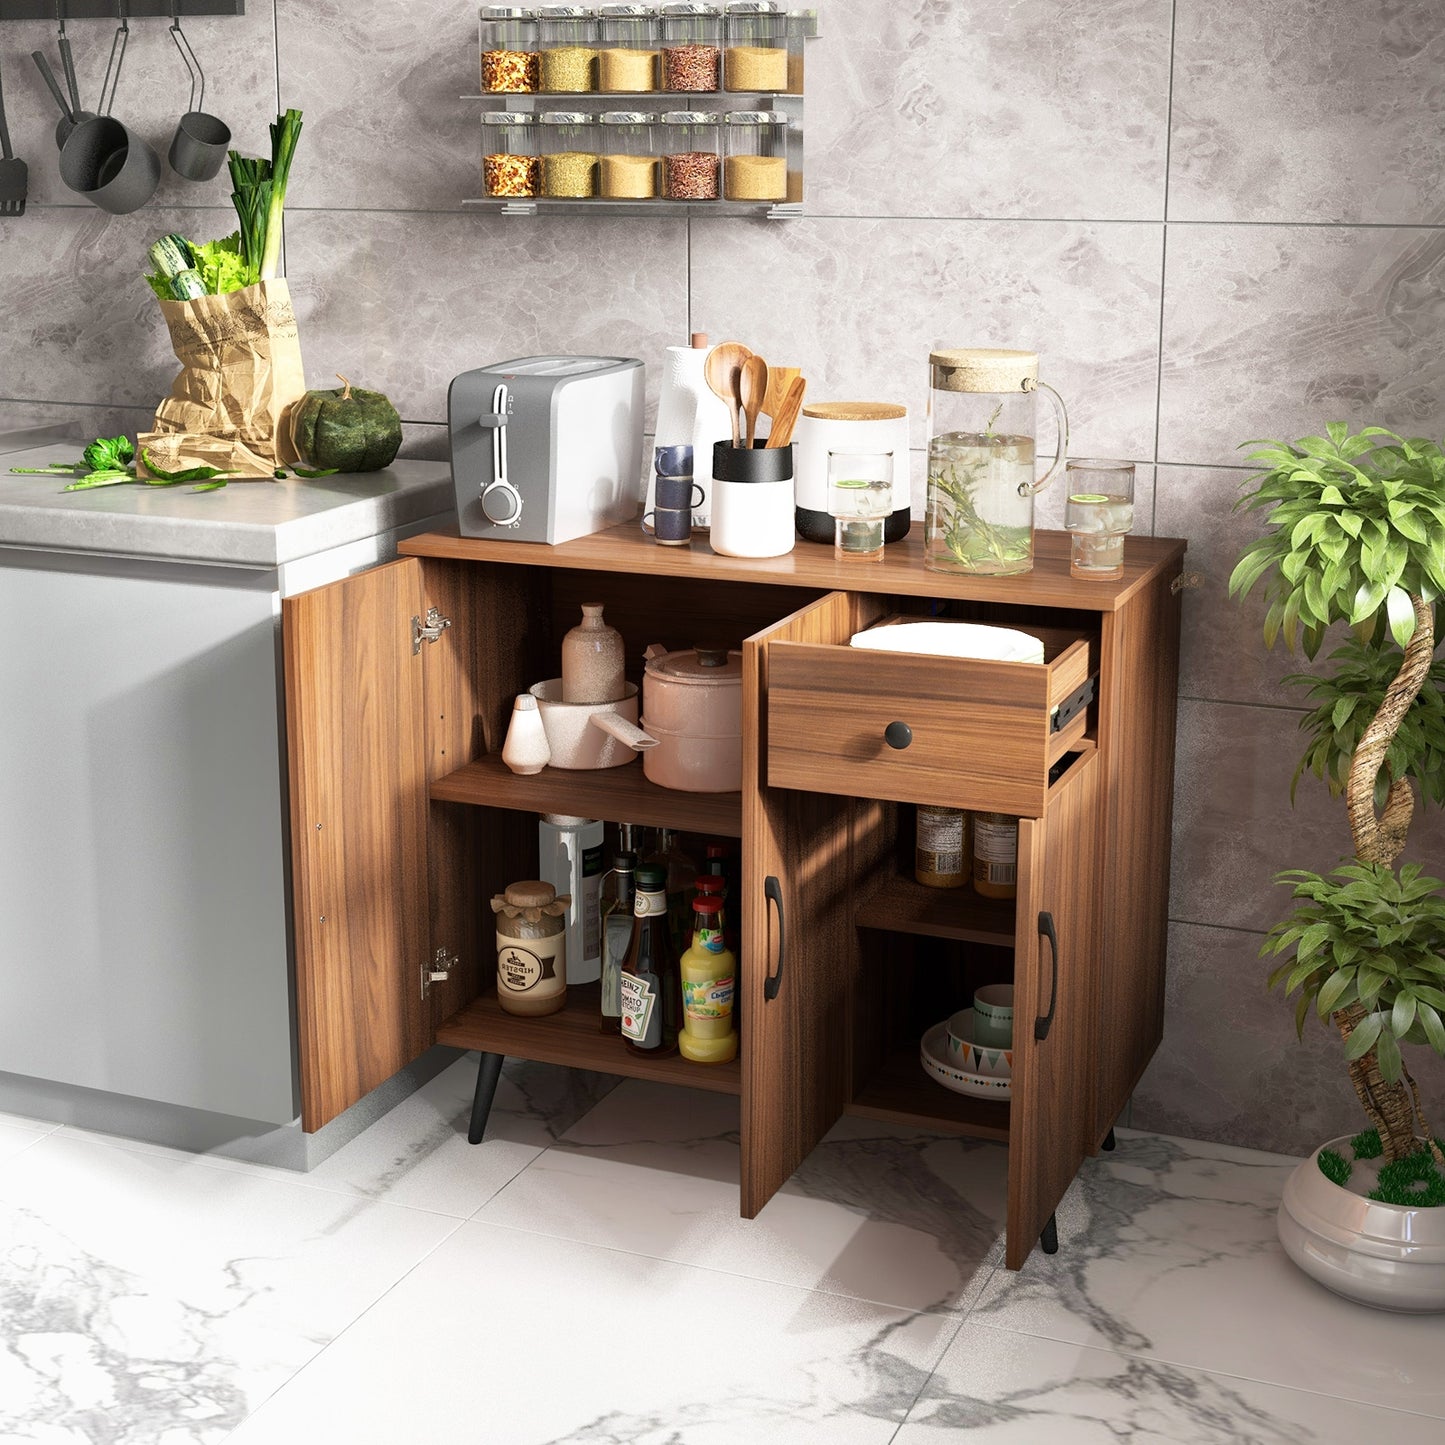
(501,502)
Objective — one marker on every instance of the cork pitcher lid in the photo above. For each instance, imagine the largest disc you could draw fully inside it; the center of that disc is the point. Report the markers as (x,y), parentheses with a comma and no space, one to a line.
(974,368)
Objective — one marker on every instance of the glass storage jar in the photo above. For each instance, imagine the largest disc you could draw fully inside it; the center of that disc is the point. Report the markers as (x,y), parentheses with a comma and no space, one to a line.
(531,948)
(569,154)
(691,145)
(756,55)
(569,48)
(802,25)
(627,57)
(510,166)
(691,47)
(626,168)
(509,50)
(756,168)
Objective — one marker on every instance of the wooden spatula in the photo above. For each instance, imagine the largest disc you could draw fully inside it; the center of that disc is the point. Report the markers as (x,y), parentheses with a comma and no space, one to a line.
(787,415)
(780,378)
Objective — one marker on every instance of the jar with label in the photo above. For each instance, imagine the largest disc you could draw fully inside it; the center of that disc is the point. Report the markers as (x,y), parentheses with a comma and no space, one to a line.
(569,154)
(756,55)
(531,948)
(940,852)
(709,982)
(627,56)
(509,50)
(626,169)
(756,168)
(619,895)
(510,164)
(569,48)
(995,855)
(690,143)
(691,47)
(651,983)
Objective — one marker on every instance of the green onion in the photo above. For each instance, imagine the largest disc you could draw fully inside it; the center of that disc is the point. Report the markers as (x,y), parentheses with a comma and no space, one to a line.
(285,132)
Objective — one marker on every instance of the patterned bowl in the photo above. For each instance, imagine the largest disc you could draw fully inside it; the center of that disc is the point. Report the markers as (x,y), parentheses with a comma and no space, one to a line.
(933,1055)
(972,1058)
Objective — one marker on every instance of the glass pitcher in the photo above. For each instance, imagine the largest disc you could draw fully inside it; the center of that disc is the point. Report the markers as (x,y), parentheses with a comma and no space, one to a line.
(981,483)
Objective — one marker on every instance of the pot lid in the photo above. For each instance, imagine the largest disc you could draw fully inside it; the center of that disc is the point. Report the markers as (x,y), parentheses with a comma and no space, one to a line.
(711,666)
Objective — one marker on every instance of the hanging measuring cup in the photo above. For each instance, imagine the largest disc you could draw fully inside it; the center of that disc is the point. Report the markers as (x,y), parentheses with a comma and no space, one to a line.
(198,149)
(981,482)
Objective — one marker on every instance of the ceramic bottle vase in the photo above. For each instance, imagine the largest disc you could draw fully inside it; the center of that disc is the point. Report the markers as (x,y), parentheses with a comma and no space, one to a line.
(592,660)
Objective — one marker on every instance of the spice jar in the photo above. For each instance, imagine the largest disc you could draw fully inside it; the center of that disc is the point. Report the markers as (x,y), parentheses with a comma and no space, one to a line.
(569,48)
(940,850)
(627,169)
(756,57)
(757,156)
(691,145)
(627,59)
(802,25)
(531,948)
(569,154)
(510,166)
(995,855)
(691,47)
(509,50)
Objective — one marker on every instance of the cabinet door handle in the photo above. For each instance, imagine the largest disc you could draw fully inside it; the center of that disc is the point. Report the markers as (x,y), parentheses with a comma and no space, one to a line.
(898,735)
(1046,930)
(773,891)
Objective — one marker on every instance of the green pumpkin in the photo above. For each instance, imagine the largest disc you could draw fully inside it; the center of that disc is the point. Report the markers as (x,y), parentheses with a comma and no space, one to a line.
(348,430)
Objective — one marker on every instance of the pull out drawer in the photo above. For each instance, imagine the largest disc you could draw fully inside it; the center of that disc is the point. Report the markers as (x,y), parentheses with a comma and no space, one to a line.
(922,729)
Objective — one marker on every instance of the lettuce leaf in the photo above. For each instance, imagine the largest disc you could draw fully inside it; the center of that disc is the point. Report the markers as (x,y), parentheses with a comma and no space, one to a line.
(222,266)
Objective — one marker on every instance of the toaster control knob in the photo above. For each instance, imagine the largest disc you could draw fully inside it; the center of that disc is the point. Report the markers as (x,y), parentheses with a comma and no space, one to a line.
(502,504)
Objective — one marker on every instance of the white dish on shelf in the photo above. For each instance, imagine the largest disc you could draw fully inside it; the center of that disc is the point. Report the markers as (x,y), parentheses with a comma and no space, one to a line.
(976,640)
(933,1054)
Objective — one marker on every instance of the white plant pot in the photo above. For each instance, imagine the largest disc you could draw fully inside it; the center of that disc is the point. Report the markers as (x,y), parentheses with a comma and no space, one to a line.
(1390,1256)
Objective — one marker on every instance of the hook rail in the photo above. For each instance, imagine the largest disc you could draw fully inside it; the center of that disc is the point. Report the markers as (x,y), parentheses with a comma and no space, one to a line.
(111,9)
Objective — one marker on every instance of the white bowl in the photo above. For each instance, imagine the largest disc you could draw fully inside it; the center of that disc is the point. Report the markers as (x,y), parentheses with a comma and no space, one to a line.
(953,639)
(933,1054)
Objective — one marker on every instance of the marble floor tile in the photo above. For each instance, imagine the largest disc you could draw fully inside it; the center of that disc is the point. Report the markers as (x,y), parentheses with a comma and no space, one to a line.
(1168,1251)
(1000,1388)
(506,1338)
(154,1301)
(875,1212)
(16,1135)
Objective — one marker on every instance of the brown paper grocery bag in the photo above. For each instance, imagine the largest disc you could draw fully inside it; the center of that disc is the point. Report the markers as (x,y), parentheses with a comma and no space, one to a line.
(241,373)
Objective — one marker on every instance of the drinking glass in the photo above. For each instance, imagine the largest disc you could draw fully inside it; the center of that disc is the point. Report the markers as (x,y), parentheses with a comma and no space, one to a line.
(860,500)
(1098,513)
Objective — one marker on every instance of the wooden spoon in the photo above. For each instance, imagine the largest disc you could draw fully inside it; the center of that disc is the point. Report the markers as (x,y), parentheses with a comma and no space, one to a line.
(754,387)
(723,373)
(787,415)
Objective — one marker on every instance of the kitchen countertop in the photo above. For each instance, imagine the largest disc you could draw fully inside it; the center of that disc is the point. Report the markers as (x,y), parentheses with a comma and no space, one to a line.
(246,524)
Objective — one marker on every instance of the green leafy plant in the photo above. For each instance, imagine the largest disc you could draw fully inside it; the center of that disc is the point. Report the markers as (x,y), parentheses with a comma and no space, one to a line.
(110,462)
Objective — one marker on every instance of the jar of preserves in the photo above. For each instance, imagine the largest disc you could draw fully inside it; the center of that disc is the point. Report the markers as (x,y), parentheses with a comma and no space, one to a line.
(940,858)
(627,169)
(756,53)
(531,948)
(569,154)
(756,168)
(995,855)
(690,142)
(509,50)
(568,37)
(510,165)
(691,47)
(627,55)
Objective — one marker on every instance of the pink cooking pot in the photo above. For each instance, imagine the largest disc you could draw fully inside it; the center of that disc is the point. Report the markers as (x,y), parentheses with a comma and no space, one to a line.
(692,703)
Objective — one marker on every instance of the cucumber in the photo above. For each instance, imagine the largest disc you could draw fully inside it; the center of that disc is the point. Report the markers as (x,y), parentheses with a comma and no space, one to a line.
(171,255)
(187,285)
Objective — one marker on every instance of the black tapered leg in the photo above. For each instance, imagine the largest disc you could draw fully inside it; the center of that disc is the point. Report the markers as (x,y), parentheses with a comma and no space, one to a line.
(489,1070)
(1049,1239)
(1109,1141)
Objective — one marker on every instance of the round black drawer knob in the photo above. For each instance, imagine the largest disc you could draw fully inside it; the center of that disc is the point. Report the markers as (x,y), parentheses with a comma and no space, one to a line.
(898,735)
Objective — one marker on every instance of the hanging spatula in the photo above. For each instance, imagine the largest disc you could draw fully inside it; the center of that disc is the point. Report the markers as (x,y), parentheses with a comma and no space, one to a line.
(14,174)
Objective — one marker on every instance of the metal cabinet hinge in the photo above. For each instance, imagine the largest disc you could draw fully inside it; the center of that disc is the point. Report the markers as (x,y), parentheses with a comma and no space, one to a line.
(438,971)
(428,631)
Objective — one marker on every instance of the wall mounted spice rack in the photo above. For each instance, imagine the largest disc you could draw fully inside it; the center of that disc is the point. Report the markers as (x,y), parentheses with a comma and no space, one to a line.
(704,114)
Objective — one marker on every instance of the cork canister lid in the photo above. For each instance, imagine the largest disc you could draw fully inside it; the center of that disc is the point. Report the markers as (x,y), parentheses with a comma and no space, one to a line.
(855,411)
(983,369)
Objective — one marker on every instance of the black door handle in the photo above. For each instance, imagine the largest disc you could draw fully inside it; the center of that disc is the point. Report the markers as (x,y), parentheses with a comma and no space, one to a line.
(773,891)
(1046,930)
(898,735)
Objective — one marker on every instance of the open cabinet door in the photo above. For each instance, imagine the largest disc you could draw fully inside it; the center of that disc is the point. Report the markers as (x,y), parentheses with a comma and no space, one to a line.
(802,960)
(355,723)
(1056,965)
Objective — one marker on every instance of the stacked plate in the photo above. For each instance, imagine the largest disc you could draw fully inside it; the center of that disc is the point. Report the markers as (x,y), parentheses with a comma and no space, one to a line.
(978,640)
(949,1055)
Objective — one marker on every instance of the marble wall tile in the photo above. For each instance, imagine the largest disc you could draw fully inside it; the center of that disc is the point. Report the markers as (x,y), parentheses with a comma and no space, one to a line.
(381,86)
(1041,108)
(513,288)
(862,303)
(1307,110)
(81,422)
(1270,331)
(237,54)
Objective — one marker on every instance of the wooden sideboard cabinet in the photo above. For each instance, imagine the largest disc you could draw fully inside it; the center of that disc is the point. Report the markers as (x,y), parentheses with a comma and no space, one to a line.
(405,822)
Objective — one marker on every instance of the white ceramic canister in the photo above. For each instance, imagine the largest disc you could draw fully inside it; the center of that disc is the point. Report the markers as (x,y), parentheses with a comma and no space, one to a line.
(752,502)
(848,426)
(693,706)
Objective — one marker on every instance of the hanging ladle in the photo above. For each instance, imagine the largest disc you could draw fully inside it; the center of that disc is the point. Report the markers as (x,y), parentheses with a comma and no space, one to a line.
(201,141)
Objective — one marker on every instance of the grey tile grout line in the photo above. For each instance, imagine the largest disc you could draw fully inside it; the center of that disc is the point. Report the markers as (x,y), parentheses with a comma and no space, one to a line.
(1164,265)
(933,1372)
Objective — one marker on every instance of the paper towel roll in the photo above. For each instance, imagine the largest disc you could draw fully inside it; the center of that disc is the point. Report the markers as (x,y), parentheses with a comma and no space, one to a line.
(688,414)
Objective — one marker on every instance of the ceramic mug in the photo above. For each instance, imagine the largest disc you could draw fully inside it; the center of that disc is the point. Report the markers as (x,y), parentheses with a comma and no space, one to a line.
(993,1016)
(678,493)
(672,526)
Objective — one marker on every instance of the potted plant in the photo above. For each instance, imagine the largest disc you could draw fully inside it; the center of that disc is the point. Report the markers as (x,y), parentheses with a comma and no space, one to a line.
(1359,538)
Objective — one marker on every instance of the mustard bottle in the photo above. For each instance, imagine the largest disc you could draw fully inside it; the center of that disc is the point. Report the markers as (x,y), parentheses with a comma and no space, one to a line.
(708,983)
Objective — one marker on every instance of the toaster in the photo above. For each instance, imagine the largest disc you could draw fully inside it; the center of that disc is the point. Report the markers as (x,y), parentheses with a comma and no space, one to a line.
(546,448)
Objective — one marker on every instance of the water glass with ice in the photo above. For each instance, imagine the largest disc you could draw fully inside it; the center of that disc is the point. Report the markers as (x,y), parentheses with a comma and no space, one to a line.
(1099,513)
(860,500)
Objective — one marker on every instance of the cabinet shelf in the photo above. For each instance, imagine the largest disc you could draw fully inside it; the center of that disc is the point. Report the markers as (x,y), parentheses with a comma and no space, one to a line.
(572,1037)
(616,795)
(768,210)
(901,1093)
(899,904)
